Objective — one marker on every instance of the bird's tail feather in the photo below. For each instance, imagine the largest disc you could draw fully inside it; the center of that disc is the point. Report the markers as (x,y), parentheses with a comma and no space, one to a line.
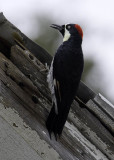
(55,122)
(60,121)
(51,121)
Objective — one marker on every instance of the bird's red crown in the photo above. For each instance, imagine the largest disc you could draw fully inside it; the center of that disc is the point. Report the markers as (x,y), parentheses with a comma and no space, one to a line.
(79,30)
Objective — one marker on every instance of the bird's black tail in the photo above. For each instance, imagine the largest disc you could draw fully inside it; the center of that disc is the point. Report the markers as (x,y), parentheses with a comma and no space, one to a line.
(51,120)
(55,122)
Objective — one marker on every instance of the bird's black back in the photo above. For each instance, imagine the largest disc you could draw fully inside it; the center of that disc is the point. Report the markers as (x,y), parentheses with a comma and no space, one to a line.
(68,67)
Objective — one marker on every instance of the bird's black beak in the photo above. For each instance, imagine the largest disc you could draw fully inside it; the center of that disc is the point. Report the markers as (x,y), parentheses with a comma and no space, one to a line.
(57,27)
(60,28)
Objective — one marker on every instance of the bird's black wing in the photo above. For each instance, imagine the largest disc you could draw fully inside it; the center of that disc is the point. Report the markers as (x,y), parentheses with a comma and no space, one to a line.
(67,70)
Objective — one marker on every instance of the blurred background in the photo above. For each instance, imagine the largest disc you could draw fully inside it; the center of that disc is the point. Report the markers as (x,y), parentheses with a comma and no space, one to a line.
(33,18)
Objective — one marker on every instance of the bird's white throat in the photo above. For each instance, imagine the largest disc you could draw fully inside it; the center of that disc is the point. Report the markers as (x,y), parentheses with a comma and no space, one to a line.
(66,35)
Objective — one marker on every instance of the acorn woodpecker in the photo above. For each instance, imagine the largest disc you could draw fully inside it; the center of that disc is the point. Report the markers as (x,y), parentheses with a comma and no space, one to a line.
(64,76)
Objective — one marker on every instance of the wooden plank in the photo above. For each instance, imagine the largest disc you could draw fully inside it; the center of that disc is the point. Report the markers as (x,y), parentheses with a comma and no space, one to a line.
(12,77)
(105,105)
(92,128)
(39,126)
(12,109)
(102,116)
(31,69)
(14,73)
(27,103)
(10,35)
(85,93)
(13,146)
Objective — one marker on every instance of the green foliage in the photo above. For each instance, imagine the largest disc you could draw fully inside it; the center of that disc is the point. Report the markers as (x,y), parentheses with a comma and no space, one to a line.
(47,38)
(88,66)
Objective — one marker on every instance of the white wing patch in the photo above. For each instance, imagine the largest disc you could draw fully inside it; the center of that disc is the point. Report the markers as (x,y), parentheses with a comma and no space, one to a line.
(51,83)
(57,86)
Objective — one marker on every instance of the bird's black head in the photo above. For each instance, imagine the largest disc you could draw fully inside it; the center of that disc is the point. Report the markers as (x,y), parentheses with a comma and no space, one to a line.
(69,30)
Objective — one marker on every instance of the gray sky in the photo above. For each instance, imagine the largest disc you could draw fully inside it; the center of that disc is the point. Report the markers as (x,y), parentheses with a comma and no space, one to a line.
(95,16)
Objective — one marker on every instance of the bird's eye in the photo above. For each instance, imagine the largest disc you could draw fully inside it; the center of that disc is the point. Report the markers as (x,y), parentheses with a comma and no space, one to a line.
(68,27)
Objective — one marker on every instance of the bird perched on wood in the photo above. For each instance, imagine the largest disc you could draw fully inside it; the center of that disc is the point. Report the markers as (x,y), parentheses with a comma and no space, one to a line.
(64,76)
